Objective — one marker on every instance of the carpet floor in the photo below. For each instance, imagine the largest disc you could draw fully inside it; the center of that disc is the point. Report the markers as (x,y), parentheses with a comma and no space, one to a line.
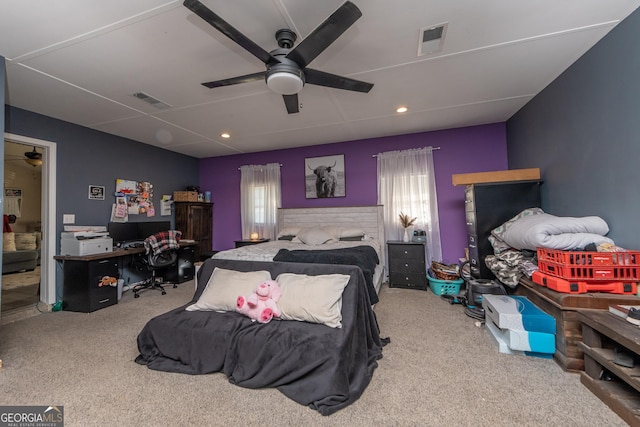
(20,290)
(439,370)
(17,280)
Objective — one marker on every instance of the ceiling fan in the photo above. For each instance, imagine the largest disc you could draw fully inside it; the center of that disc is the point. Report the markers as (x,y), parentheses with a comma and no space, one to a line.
(34,158)
(286,71)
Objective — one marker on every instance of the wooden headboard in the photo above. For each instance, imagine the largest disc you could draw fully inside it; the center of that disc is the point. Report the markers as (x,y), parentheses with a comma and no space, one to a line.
(368,218)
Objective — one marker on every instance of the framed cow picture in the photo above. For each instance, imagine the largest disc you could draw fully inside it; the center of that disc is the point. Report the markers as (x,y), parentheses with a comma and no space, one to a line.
(324,177)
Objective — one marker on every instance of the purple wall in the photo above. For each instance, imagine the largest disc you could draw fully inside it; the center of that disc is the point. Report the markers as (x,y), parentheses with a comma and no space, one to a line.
(462,150)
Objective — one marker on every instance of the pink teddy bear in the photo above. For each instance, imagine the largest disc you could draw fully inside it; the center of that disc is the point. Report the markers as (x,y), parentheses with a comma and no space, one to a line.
(261,304)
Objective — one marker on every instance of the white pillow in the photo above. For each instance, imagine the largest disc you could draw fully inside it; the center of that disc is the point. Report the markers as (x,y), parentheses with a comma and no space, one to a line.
(313,236)
(26,241)
(9,242)
(314,299)
(288,231)
(225,286)
(333,231)
(351,232)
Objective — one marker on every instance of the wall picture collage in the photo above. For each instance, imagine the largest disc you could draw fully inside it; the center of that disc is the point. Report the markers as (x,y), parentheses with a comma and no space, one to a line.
(132,198)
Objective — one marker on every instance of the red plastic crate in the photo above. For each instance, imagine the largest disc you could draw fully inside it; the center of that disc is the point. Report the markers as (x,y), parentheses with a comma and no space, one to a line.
(579,287)
(590,266)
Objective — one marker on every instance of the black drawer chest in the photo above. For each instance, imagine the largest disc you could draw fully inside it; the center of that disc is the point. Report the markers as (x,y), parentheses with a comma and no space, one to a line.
(83,289)
(489,205)
(407,265)
(241,243)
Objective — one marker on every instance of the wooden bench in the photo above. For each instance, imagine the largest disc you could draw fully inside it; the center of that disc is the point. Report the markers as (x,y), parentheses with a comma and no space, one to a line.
(602,333)
(564,308)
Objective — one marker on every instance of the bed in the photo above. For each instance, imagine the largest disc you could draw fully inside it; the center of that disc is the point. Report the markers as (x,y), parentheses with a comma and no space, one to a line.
(320,366)
(357,232)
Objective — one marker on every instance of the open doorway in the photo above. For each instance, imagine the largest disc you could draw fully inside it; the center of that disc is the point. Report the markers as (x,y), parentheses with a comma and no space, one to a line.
(22,228)
(29,212)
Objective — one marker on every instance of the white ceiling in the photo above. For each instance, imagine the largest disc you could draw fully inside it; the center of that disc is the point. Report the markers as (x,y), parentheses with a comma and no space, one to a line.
(81,61)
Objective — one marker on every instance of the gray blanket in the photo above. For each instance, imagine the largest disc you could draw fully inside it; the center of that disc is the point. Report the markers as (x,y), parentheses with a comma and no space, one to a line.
(364,257)
(315,365)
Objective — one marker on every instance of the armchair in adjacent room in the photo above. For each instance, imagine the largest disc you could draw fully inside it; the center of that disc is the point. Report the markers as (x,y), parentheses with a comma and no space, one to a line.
(161,252)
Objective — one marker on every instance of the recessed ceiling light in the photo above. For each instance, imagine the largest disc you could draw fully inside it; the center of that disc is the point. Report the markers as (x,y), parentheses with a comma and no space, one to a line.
(401,109)
(225,135)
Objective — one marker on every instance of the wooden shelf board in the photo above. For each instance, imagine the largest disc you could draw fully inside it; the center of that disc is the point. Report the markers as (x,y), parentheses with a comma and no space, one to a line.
(621,398)
(531,174)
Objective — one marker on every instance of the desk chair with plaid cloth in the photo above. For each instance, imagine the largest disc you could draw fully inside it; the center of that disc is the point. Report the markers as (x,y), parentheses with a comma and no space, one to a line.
(161,251)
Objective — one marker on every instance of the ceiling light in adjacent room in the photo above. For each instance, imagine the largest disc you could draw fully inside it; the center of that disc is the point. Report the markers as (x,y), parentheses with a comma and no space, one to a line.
(225,135)
(401,110)
(34,162)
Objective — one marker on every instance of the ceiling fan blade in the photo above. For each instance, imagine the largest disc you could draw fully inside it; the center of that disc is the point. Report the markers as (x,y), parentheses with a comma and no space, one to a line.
(325,34)
(225,28)
(291,102)
(236,80)
(321,78)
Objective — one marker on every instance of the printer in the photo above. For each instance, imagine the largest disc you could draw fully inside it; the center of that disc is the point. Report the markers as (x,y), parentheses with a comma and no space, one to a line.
(85,240)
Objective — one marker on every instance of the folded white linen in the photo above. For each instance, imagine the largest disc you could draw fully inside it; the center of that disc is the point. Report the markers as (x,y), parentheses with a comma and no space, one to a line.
(554,232)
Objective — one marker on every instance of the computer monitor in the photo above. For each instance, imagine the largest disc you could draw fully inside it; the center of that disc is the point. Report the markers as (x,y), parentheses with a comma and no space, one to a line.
(123,232)
(146,229)
(126,232)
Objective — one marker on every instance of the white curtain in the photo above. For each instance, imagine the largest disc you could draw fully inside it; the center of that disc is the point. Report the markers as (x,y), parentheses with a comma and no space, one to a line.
(406,183)
(260,199)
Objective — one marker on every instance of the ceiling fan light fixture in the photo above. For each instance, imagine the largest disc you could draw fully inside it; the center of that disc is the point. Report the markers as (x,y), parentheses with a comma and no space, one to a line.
(34,162)
(284,82)
(287,71)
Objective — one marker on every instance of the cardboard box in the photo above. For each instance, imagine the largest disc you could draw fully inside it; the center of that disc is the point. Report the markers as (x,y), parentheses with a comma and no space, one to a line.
(503,347)
(517,313)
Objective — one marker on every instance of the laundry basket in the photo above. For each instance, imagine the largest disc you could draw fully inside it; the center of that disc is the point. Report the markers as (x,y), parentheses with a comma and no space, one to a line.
(444,287)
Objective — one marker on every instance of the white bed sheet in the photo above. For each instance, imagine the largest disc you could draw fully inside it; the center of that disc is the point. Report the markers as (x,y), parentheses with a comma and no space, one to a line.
(266,251)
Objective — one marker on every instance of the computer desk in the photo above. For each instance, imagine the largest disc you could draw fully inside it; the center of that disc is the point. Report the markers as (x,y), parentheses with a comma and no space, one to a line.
(89,280)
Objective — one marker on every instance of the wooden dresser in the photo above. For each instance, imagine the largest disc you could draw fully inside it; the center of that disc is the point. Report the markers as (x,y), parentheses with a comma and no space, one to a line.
(195,220)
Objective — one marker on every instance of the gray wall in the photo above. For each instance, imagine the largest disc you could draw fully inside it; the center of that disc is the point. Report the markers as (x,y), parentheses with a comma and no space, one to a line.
(583,132)
(88,157)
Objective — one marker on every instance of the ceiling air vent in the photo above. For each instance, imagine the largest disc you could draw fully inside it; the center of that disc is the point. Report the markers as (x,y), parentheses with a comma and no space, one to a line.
(151,100)
(431,39)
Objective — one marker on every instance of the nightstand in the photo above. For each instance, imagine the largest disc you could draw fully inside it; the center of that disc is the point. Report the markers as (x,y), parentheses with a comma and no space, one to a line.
(407,266)
(240,243)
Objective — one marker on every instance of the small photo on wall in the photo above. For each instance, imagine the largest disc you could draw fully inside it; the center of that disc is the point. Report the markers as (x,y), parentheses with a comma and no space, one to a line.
(96,192)
(324,177)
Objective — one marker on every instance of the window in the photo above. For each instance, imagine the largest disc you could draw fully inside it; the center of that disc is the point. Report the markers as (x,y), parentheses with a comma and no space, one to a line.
(259,205)
(406,183)
(260,199)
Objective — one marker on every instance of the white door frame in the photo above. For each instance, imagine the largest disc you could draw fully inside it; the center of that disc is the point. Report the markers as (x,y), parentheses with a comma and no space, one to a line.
(48,214)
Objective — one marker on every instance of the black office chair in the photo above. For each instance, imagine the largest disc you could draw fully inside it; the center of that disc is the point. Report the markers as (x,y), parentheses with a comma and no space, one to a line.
(154,263)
